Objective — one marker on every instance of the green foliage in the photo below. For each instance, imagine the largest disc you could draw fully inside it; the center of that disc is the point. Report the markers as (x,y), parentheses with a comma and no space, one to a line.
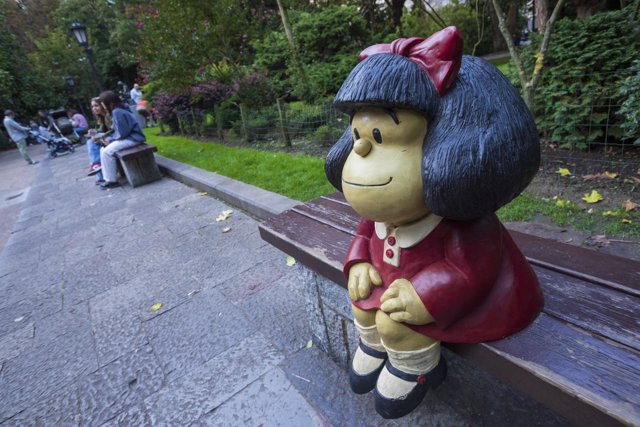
(268,170)
(630,108)
(416,23)
(576,102)
(329,40)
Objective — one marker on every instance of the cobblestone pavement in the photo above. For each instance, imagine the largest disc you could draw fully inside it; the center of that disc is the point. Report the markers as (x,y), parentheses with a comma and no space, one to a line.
(81,345)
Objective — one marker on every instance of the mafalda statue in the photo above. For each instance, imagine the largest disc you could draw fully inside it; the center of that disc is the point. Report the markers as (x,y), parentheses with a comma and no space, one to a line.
(437,143)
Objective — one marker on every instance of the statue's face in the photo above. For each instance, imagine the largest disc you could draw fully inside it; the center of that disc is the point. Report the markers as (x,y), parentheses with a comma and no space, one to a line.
(382,178)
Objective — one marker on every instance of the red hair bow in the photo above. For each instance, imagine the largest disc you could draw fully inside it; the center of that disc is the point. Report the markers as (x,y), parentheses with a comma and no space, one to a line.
(439,55)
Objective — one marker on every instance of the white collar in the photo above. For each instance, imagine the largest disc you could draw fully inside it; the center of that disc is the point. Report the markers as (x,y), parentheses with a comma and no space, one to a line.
(409,235)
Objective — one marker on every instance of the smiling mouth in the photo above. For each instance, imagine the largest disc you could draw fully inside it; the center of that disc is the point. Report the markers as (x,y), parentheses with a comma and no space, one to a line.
(368,185)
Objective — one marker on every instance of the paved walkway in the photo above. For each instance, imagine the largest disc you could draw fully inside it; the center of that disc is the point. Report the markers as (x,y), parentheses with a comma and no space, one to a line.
(81,273)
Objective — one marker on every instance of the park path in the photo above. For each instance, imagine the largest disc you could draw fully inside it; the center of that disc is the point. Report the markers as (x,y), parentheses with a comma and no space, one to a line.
(137,307)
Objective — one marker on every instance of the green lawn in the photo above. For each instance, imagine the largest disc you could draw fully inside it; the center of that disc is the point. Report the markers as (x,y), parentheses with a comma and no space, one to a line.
(295,176)
(302,178)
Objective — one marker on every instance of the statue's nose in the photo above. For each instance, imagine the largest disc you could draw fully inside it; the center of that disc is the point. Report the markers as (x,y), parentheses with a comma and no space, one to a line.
(362,147)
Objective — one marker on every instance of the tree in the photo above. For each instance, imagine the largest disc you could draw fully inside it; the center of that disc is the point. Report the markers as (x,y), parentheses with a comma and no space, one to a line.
(528,82)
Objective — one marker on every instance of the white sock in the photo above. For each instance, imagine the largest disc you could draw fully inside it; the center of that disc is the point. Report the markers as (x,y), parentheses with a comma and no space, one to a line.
(417,362)
(363,363)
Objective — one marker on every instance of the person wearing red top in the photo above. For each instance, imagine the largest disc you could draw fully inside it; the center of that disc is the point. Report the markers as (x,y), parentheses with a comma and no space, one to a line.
(437,143)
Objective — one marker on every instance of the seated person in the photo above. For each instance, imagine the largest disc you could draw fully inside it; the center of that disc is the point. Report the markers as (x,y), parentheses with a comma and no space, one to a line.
(79,122)
(127,133)
(95,142)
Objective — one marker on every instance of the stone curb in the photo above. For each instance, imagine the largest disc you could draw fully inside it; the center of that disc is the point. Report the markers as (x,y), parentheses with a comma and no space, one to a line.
(258,202)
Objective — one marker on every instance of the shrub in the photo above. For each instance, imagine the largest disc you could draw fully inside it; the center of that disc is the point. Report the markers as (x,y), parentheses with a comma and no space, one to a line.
(577,98)
(630,108)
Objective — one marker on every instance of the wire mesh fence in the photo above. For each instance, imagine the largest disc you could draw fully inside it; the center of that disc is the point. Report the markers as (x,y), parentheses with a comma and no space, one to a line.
(579,118)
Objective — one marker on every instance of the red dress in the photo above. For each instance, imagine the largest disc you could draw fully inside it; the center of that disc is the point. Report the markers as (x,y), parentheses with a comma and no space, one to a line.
(470,276)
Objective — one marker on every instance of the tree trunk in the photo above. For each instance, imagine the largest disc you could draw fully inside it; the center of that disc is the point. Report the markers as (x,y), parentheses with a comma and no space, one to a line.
(294,48)
(497,41)
(283,123)
(584,8)
(243,119)
(529,83)
(541,11)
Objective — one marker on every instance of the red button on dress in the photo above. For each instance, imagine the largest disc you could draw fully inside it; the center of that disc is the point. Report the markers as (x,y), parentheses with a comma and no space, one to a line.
(389,253)
(391,240)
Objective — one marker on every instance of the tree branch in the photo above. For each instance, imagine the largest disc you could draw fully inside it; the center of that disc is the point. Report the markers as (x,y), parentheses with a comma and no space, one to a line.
(512,47)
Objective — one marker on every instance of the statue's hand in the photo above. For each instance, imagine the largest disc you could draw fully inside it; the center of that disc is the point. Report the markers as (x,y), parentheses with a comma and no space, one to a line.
(361,277)
(402,303)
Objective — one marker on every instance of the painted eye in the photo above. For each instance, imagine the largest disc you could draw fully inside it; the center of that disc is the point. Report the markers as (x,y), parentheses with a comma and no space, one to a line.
(356,134)
(377,135)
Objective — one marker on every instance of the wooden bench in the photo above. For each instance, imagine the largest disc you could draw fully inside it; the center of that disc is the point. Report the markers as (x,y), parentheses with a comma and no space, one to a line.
(580,358)
(139,164)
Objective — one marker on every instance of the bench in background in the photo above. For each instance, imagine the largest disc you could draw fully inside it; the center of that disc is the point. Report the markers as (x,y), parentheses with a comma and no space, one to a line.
(580,358)
(139,164)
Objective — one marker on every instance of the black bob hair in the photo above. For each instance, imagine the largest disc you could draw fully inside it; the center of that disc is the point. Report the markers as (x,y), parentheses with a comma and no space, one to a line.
(481,148)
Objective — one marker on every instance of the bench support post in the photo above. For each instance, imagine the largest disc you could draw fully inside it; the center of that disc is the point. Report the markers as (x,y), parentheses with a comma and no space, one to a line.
(141,170)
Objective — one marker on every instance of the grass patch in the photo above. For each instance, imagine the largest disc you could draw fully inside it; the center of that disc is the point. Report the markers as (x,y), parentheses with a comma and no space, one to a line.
(295,176)
(568,214)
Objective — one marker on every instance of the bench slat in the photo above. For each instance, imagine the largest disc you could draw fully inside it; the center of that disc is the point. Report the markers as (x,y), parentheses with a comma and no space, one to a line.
(596,309)
(589,381)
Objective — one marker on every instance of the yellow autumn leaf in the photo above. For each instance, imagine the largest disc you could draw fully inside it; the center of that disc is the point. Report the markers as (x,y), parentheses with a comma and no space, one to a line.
(594,197)
(204,193)
(563,172)
(309,344)
(224,215)
(155,307)
(610,213)
(562,203)
(291,261)
(610,174)
(226,229)
(626,221)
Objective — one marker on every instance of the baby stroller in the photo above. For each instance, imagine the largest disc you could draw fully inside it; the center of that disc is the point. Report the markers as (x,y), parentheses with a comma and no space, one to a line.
(61,124)
(57,139)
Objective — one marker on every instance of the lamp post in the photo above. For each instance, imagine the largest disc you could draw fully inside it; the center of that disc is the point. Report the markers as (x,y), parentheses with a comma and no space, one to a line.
(80,33)
(71,82)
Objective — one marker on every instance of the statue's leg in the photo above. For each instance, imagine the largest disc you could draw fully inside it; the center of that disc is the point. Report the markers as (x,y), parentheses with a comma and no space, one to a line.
(370,355)
(414,366)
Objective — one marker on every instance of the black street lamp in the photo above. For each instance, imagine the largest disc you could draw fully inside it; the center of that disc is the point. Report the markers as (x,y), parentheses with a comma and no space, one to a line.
(80,33)
(71,82)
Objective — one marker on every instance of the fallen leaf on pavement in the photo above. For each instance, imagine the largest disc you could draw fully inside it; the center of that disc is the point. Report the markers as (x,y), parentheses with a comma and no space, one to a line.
(563,172)
(204,193)
(594,197)
(630,206)
(226,229)
(224,215)
(291,261)
(18,319)
(155,307)
(309,344)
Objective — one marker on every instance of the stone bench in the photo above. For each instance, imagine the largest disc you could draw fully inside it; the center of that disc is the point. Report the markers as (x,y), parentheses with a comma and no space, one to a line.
(139,164)
(580,358)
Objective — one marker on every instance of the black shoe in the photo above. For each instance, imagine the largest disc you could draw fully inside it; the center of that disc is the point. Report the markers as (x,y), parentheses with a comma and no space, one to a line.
(396,408)
(362,384)
(108,184)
